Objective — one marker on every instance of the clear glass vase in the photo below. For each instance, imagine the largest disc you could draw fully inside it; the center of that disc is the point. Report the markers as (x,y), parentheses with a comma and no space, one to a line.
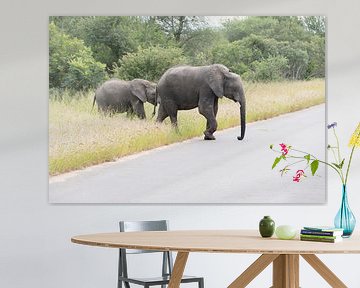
(345,219)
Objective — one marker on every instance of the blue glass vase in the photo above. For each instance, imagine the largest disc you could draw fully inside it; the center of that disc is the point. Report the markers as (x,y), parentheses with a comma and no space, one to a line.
(345,219)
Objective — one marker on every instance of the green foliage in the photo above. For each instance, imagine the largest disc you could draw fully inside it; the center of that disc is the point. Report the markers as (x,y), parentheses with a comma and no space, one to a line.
(258,48)
(298,59)
(71,64)
(276,38)
(180,28)
(276,161)
(314,166)
(239,29)
(199,44)
(233,55)
(269,69)
(109,37)
(254,57)
(149,63)
(84,72)
(315,24)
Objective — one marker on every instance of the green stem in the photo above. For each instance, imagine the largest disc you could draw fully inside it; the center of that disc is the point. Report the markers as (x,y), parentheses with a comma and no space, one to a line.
(333,152)
(337,144)
(351,155)
(338,150)
(303,152)
(294,163)
(339,171)
(348,167)
(323,162)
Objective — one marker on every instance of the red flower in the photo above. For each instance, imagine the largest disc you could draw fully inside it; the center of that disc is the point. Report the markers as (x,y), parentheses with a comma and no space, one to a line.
(284,149)
(299,174)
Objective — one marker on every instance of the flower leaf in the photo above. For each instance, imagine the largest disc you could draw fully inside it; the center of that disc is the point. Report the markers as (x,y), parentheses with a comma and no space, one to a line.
(314,166)
(339,166)
(276,161)
(342,163)
(307,157)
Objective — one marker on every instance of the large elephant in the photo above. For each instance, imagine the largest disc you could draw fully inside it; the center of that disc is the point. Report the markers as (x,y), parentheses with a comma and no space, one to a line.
(125,96)
(187,87)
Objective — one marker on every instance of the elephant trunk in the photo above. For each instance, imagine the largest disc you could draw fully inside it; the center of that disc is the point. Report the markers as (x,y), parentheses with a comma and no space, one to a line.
(242,117)
(155,103)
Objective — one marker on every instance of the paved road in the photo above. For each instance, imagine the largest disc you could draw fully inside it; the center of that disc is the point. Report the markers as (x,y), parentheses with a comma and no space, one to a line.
(198,171)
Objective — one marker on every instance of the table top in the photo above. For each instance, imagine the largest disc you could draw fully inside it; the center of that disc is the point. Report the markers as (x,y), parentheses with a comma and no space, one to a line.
(217,241)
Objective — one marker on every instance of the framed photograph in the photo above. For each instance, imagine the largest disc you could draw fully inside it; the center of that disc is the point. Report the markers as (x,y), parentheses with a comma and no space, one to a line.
(187,109)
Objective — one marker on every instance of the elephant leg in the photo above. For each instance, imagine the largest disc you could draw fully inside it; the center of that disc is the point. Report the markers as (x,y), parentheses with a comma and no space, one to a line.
(211,124)
(170,109)
(139,110)
(161,114)
(173,117)
(216,106)
(130,112)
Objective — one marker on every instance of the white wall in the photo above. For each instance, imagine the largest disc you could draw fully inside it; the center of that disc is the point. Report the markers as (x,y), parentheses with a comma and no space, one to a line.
(35,248)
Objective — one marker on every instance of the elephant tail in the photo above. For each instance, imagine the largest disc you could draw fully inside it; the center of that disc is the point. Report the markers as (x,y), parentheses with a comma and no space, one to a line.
(156,97)
(93,102)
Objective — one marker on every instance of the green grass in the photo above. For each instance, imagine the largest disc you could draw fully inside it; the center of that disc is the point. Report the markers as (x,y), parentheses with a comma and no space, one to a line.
(80,137)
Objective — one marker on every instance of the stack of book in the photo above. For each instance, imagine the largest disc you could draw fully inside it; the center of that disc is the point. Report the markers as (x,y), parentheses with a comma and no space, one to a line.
(321,234)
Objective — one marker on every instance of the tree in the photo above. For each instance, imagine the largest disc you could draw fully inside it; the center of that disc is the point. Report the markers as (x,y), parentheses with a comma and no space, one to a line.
(270,69)
(109,37)
(84,72)
(316,52)
(280,28)
(240,28)
(145,46)
(180,27)
(149,63)
(298,59)
(197,47)
(315,24)
(71,64)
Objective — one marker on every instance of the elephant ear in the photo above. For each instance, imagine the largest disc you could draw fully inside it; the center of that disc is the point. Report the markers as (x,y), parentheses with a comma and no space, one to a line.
(138,88)
(216,78)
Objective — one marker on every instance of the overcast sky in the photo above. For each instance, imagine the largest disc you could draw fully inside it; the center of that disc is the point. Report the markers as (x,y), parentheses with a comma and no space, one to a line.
(217,20)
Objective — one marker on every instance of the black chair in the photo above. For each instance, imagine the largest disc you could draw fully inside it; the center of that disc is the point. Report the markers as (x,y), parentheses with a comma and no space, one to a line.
(167,262)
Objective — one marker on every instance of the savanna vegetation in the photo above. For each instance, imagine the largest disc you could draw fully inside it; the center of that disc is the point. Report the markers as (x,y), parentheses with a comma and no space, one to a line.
(280,59)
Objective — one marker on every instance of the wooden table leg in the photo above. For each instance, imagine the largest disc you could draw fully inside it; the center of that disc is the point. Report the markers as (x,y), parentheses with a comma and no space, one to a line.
(178,270)
(253,270)
(286,271)
(324,271)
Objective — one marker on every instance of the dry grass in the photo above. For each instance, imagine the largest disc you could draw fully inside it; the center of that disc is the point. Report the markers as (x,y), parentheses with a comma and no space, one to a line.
(79,137)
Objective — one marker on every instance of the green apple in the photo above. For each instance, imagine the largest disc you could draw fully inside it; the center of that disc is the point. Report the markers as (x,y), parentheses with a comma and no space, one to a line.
(285,232)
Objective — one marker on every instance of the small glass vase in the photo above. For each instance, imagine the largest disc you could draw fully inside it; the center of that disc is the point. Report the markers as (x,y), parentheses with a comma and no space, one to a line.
(345,219)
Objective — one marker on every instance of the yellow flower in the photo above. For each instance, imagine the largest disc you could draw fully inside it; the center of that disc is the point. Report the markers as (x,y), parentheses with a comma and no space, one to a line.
(355,138)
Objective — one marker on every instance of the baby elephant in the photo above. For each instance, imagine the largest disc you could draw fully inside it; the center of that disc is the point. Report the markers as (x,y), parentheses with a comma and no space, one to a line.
(125,96)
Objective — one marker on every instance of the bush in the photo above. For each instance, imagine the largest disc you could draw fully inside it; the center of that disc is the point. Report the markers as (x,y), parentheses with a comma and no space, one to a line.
(270,69)
(84,72)
(231,55)
(149,63)
(239,55)
(71,64)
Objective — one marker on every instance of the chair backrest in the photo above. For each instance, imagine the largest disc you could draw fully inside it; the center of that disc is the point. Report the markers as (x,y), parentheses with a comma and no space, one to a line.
(133,226)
